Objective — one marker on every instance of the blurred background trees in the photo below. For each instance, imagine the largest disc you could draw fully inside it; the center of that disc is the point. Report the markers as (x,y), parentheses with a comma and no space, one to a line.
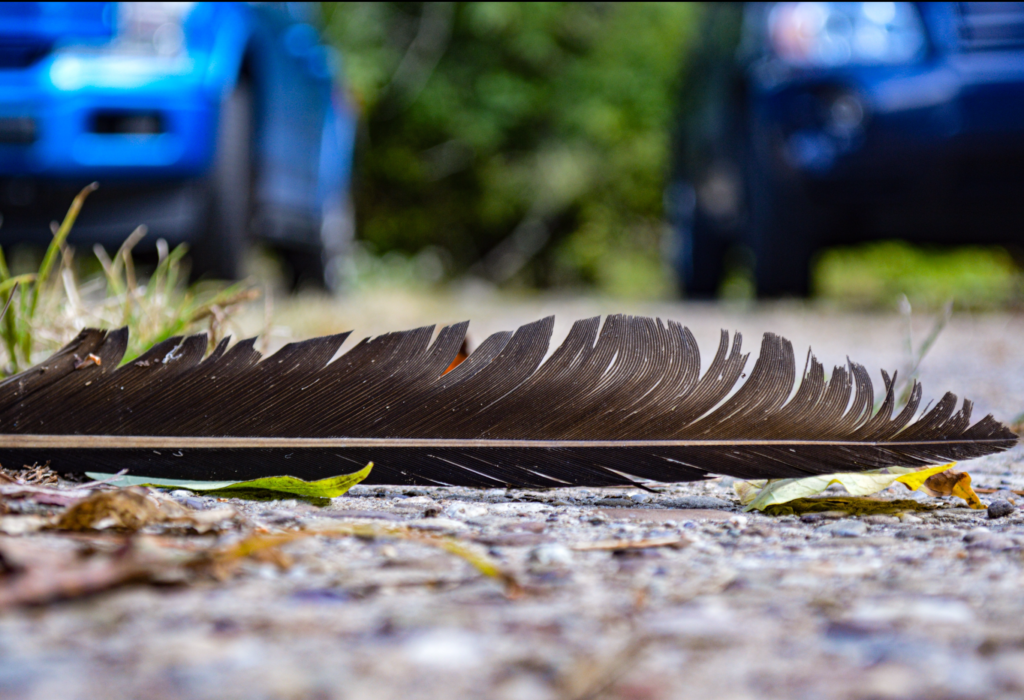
(528,144)
(525,143)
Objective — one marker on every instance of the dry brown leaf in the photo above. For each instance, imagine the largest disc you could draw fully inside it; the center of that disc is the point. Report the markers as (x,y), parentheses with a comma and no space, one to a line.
(952,483)
(124,509)
(134,508)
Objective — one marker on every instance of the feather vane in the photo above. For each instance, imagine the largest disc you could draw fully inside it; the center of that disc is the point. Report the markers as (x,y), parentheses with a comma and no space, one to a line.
(615,403)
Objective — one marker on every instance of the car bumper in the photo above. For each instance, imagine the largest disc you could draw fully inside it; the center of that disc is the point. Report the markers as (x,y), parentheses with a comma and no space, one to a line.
(171,209)
(106,117)
(953,127)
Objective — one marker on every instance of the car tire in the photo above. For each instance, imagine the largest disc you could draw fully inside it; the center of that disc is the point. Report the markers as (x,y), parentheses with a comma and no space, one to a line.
(782,232)
(221,248)
(703,257)
(320,267)
(697,248)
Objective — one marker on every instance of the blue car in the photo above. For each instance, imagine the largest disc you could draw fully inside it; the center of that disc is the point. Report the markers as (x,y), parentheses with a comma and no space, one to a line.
(811,124)
(214,124)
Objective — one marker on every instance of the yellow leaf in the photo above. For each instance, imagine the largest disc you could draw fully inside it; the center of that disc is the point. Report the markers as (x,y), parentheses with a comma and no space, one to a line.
(759,495)
(952,483)
(916,479)
(963,490)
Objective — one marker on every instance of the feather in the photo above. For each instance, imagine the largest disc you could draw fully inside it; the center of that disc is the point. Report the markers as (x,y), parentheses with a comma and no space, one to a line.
(617,403)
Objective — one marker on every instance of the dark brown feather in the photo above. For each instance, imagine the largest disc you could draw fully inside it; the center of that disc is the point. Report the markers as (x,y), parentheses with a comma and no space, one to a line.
(617,402)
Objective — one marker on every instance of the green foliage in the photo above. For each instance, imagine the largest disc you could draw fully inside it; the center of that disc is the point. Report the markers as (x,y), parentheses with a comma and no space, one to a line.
(528,141)
(266,488)
(47,308)
(879,273)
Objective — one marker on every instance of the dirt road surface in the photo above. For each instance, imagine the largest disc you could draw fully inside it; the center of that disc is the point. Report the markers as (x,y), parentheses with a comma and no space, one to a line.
(707,601)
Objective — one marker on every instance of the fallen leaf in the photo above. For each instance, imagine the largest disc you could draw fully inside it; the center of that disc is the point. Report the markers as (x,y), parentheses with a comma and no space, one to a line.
(131,509)
(758,495)
(847,505)
(267,488)
(123,509)
(951,483)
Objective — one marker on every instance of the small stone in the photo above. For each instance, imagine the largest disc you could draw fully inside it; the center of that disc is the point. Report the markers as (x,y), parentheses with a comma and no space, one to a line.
(977,533)
(844,528)
(640,497)
(911,519)
(926,533)
(833,514)
(551,556)
(881,519)
(196,503)
(419,502)
(993,542)
(1000,509)
(438,524)
(701,502)
(614,501)
(465,511)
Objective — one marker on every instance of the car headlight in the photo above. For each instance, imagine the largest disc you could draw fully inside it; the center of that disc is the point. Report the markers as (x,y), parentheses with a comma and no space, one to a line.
(822,34)
(152,27)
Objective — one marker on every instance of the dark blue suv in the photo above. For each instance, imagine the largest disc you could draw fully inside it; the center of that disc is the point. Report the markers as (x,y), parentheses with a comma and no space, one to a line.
(811,124)
(212,124)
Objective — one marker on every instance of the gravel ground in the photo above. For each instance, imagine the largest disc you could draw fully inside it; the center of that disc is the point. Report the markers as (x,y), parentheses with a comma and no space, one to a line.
(621,593)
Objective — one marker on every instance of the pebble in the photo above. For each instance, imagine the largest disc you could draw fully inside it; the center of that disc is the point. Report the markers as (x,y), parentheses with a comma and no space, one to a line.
(908,519)
(926,533)
(881,519)
(982,538)
(616,501)
(419,502)
(438,524)
(993,542)
(702,502)
(739,520)
(844,528)
(1000,509)
(551,555)
(465,511)
(196,502)
(976,533)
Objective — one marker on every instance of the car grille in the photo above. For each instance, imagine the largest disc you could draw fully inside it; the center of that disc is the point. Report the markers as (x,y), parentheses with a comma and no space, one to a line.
(21,55)
(17,130)
(991,26)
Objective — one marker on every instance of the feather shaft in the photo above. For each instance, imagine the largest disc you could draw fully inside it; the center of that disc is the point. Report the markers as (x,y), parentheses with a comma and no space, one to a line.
(617,402)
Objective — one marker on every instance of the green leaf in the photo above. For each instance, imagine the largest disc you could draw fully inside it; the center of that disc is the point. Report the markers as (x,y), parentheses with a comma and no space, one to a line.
(760,495)
(255,489)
